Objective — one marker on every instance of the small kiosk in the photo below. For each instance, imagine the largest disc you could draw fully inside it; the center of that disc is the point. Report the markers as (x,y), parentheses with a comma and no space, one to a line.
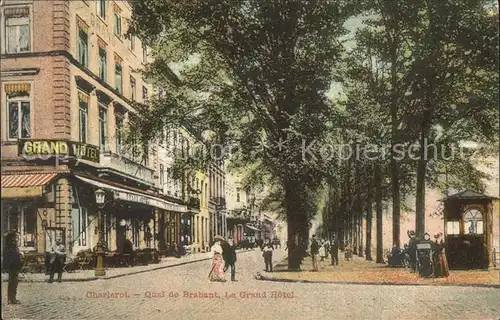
(468,225)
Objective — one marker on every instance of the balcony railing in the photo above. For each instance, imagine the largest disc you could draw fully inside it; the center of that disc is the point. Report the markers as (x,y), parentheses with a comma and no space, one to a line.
(128,167)
(194,203)
(220,202)
(239,215)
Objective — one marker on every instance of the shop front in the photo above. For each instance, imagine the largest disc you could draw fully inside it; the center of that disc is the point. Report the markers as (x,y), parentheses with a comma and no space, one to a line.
(32,204)
(131,217)
(169,231)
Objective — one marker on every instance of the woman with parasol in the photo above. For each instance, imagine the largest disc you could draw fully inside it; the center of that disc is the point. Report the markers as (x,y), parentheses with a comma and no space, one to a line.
(217,272)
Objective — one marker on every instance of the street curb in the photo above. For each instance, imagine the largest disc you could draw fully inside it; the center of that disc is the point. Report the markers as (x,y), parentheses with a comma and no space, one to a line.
(264,276)
(269,278)
(120,275)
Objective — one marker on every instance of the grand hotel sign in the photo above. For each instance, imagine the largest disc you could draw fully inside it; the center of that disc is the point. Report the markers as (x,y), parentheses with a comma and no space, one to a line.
(46,149)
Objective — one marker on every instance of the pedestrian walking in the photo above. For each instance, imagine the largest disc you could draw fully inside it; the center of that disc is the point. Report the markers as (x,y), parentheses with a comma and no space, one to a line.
(348,251)
(327,248)
(322,251)
(217,272)
(12,263)
(57,259)
(229,256)
(334,251)
(314,253)
(268,255)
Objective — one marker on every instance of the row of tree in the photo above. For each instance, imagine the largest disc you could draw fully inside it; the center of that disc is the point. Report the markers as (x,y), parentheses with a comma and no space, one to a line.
(424,74)
(257,74)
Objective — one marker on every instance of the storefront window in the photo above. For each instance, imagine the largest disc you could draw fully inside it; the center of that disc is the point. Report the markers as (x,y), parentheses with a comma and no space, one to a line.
(28,233)
(453,227)
(473,222)
(107,231)
(135,233)
(23,219)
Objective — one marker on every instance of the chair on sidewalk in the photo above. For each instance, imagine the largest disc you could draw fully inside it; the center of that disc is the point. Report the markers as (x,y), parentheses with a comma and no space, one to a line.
(189,254)
(84,259)
(70,265)
(25,271)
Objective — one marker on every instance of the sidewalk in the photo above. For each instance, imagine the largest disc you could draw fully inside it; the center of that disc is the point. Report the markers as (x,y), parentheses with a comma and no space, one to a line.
(111,273)
(360,271)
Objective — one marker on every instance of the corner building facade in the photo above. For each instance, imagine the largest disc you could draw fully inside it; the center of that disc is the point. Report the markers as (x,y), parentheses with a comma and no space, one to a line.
(70,79)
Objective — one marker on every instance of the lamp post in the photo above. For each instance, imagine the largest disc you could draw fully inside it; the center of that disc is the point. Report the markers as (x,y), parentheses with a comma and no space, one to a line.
(100,196)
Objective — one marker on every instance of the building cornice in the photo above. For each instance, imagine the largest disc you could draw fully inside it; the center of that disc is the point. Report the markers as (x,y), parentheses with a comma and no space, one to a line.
(16,72)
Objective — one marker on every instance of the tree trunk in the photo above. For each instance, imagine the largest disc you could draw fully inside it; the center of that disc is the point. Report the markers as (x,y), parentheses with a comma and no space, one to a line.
(421,170)
(369,214)
(420,199)
(294,222)
(378,195)
(396,196)
(359,213)
(360,232)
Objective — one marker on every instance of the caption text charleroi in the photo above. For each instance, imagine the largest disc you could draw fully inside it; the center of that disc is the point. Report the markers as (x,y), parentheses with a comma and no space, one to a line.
(192,295)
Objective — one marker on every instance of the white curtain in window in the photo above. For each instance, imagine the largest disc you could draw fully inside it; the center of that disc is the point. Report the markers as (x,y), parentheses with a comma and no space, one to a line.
(18,34)
(13,119)
(24,38)
(25,120)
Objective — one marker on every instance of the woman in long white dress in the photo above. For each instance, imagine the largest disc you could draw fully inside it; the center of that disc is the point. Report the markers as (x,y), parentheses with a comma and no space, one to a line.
(217,272)
(322,251)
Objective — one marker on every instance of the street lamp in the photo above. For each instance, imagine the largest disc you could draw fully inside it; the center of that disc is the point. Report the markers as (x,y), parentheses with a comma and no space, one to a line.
(100,196)
(123,223)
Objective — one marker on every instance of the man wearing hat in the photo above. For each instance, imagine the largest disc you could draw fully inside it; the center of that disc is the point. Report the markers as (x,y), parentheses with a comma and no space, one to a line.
(229,256)
(412,249)
(57,259)
(334,251)
(12,263)
(314,252)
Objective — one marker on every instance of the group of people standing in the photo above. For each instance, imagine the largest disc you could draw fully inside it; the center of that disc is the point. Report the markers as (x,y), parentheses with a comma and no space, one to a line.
(13,263)
(432,263)
(323,249)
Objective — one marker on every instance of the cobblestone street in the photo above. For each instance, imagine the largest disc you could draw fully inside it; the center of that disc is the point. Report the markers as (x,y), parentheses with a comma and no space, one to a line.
(174,293)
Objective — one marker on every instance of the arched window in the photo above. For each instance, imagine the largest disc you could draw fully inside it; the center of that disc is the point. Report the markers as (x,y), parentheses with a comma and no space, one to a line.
(473,222)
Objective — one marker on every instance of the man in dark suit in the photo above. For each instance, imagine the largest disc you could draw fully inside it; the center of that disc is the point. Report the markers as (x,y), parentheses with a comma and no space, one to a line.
(314,253)
(334,251)
(229,256)
(12,263)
